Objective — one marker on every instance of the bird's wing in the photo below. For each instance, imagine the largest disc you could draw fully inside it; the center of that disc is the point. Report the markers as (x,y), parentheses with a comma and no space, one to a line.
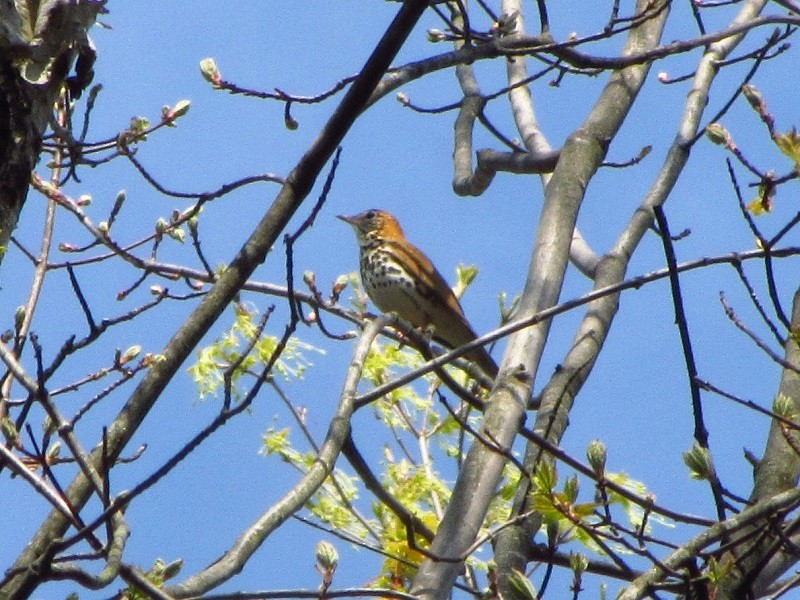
(451,327)
(433,286)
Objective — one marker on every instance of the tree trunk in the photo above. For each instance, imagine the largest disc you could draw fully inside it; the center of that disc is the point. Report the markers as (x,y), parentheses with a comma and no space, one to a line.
(37,51)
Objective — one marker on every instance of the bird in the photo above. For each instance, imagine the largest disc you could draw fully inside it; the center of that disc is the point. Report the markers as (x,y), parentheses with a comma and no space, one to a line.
(398,277)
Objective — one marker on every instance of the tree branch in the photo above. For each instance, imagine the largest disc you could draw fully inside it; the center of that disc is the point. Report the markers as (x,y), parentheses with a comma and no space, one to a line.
(252,253)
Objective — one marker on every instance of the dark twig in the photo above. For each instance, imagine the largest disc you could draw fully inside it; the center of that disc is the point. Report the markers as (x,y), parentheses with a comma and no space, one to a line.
(127,375)
(700,431)
(371,482)
(731,314)
(490,127)
(643,153)
(290,239)
(226,413)
(742,207)
(70,346)
(757,303)
(221,191)
(81,299)
(544,23)
(784,230)
(769,272)
(549,313)
(195,235)
(767,247)
(706,385)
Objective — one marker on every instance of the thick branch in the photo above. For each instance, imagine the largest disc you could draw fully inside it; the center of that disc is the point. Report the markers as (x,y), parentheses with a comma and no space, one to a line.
(580,158)
(252,253)
(643,585)
(777,472)
(561,390)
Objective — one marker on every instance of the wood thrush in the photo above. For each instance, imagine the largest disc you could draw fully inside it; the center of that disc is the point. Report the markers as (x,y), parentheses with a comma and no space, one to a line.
(398,277)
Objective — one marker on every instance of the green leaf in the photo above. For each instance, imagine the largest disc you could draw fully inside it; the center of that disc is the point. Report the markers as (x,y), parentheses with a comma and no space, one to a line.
(716,570)
(545,478)
(754,98)
(571,488)
(545,505)
(171,114)
(327,556)
(764,201)
(34,15)
(172,569)
(139,125)
(466,275)
(213,361)
(789,144)
(275,442)
(37,73)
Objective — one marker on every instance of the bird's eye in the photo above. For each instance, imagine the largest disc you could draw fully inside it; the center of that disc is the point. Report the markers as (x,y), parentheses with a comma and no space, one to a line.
(371,214)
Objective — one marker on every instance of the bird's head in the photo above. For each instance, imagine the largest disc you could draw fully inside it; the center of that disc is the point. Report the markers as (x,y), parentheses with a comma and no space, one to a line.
(374,224)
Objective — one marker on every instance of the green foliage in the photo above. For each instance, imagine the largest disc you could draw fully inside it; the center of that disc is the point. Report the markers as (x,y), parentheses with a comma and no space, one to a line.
(327,556)
(763,202)
(508,487)
(466,274)
(138,128)
(333,503)
(421,437)
(596,454)
(789,144)
(634,512)
(9,430)
(717,570)
(158,574)
(575,521)
(578,562)
(224,355)
(327,560)
(411,418)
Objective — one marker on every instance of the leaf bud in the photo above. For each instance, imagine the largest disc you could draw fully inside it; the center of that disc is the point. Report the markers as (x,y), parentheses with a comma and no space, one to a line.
(327,558)
(596,454)
(699,462)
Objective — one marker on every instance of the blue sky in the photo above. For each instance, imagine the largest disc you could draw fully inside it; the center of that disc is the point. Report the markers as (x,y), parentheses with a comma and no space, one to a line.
(637,400)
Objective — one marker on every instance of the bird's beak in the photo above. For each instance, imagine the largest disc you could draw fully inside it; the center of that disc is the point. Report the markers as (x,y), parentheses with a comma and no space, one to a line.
(348,220)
